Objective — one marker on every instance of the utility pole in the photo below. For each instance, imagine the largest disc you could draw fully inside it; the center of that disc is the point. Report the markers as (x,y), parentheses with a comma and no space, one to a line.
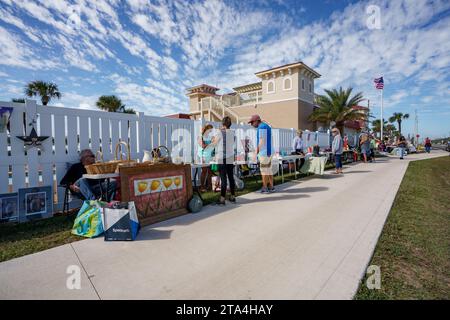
(416,128)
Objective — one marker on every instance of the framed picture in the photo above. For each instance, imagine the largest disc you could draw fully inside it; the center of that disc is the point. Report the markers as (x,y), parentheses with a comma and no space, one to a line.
(35,203)
(9,207)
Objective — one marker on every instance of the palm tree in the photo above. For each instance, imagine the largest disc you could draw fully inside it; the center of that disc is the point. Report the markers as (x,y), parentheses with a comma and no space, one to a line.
(110,104)
(46,90)
(391,130)
(337,106)
(376,125)
(398,117)
(128,110)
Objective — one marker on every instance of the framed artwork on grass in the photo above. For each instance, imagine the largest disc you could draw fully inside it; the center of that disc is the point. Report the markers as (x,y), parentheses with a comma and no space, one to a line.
(35,203)
(9,207)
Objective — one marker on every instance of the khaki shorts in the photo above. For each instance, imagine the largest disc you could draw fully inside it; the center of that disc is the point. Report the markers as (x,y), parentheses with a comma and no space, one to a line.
(265,165)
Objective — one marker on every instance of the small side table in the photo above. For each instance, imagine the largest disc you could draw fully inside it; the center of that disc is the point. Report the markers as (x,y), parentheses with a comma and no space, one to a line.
(100,177)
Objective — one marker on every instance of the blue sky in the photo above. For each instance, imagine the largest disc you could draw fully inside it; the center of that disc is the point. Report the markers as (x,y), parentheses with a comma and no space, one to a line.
(148,52)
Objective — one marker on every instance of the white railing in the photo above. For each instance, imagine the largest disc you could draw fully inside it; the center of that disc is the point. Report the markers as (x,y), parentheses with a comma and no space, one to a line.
(218,107)
(72,130)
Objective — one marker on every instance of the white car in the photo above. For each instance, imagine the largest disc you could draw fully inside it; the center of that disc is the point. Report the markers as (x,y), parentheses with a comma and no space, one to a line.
(411,149)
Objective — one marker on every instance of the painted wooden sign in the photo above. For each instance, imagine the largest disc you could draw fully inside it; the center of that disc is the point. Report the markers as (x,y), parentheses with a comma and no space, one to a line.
(160,191)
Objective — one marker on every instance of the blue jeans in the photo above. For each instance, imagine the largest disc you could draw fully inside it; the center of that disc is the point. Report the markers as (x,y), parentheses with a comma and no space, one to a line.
(401,152)
(427,149)
(338,161)
(93,192)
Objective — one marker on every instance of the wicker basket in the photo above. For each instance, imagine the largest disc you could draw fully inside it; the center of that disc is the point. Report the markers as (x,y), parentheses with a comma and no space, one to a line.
(98,166)
(113,165)
(157,158)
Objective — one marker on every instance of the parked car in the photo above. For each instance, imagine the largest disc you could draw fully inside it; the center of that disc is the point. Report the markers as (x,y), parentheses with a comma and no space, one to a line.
(411,149)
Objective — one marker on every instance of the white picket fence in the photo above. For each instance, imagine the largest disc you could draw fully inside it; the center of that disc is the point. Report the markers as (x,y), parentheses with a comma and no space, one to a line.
(72,130)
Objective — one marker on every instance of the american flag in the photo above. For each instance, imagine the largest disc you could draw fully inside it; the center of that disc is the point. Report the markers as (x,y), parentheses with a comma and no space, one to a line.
(379,83)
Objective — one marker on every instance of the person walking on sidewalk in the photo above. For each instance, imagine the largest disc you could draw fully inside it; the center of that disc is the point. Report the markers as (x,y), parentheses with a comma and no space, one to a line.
(364,144)
(401,144)
(373,147)
(427,145)
(224,143)
(337,149)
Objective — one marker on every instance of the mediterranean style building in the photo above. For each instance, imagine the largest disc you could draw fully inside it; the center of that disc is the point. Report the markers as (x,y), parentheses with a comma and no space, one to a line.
(284,98)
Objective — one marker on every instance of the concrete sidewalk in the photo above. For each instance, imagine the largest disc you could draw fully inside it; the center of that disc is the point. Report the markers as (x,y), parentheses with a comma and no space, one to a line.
(311,240)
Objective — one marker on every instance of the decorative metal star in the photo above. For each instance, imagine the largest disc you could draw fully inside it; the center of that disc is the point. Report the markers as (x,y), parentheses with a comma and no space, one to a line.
(33,140)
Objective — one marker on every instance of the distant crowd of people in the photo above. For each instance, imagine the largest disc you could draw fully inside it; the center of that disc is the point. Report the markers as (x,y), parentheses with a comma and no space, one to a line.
(367,146)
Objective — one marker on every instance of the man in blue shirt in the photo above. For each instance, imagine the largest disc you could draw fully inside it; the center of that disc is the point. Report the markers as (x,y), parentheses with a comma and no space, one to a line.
(264,152)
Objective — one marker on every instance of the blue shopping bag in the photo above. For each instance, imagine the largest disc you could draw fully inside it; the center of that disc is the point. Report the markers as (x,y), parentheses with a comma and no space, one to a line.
(88,222)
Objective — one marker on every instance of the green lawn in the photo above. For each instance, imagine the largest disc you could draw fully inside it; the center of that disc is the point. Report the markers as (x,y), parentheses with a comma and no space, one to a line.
(17,240)
(413,251)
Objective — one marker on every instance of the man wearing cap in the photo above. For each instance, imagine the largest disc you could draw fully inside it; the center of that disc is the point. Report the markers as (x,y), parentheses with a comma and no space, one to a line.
(264,152)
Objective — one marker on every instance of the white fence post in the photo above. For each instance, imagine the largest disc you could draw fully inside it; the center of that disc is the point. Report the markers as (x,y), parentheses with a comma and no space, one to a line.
(142,138)
(32,153)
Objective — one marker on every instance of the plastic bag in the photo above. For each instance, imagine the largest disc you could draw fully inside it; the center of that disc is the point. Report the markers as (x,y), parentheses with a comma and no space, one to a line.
(120,222)
(88,222)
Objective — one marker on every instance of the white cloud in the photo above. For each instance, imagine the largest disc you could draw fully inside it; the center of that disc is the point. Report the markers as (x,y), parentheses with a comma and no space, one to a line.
(427,99)
(153,96)
(75,100)
(14,52)
(410,45)
(165,46)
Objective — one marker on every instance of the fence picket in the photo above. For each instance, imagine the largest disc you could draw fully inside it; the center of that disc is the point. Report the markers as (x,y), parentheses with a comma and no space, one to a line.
(84,133)
(95,133)
(60,137)
(72,136)
(115,135)
(133,139)
(105,139)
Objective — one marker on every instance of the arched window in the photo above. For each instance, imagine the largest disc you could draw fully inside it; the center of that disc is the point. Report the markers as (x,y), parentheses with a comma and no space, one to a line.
(287,84)
(271,86)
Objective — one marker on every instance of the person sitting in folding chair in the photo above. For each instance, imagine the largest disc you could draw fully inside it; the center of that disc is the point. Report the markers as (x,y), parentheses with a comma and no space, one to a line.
(88,189)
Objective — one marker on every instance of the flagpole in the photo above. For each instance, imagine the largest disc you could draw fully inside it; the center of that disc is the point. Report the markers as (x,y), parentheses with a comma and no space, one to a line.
(382,122)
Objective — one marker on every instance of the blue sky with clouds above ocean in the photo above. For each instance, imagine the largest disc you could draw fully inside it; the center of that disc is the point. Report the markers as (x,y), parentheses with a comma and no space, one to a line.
(149,52)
